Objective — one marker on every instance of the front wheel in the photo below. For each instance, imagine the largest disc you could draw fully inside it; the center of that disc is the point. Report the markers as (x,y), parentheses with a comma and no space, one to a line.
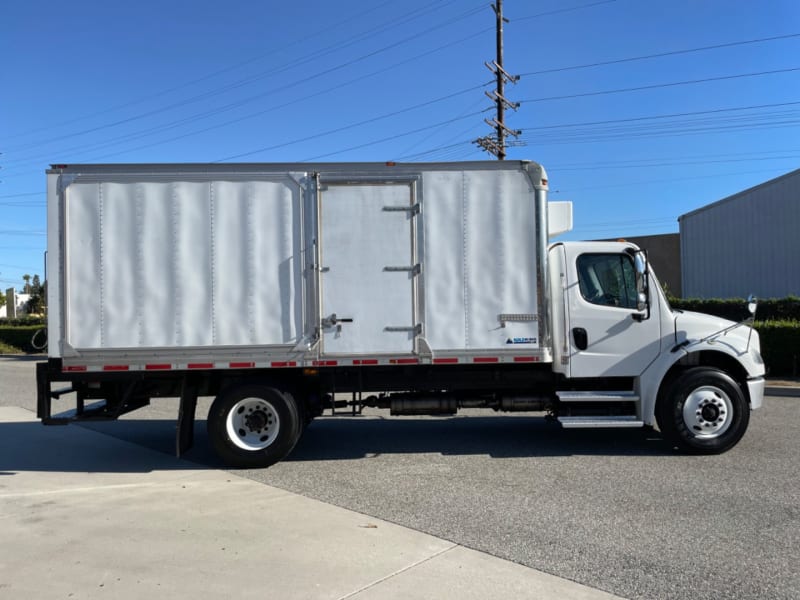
(703,411)
(253,426)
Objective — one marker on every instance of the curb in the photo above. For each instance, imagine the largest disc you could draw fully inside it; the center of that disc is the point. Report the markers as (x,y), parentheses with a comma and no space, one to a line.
(783,391)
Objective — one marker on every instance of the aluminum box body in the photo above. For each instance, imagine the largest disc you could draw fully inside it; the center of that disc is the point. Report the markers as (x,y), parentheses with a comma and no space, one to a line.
(294,264)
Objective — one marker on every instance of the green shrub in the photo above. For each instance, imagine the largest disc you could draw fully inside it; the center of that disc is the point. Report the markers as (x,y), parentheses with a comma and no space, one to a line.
(19,337)
(735,309)
(39,321)
(780,347)
(6,349)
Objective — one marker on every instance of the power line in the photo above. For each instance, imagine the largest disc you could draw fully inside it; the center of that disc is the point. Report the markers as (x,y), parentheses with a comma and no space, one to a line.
(670,180)
(563,10)
(675,162)
(253,98)
(661,54)
(358,124)
(352,39)
(162,128)
(672,129)
(23,194)
(663,85)
(21,232)
(390,138)
(664,116)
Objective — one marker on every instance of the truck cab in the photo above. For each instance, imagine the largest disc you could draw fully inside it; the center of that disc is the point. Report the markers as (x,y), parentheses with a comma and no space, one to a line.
(695,376)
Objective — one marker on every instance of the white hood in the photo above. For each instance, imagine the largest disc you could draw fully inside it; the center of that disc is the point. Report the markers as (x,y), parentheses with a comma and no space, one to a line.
(692,327)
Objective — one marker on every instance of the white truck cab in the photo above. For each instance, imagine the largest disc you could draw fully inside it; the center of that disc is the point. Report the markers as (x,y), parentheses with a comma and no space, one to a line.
(696,376)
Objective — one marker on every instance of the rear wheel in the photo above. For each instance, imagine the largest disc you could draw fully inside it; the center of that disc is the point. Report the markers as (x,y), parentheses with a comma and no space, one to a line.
(253,425)
(703,411)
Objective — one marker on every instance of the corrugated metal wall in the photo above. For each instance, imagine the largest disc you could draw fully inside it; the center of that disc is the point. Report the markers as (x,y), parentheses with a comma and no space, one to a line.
(747,243)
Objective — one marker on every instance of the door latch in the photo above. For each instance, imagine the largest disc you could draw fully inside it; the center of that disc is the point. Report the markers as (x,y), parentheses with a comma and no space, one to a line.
(333,321)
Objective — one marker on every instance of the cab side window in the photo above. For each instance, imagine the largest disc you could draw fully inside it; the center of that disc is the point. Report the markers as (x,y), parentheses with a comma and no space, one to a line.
(607,279)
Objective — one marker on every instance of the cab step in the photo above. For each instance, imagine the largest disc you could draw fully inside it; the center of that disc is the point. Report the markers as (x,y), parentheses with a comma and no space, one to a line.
(597,396)
(593,422)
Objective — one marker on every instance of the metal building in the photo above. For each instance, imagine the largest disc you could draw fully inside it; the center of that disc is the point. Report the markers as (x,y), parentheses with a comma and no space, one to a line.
(745,243)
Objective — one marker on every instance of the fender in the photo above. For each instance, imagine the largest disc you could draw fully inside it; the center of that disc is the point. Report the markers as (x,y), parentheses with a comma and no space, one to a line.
(740,363)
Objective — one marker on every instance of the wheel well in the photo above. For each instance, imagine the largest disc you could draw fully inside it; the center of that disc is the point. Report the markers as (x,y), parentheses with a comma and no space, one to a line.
(708,358)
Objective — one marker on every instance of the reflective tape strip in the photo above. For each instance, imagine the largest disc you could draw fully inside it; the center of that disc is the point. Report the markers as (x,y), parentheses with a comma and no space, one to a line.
(366,361)
(74,369)
(200,366)
(404,361)
(445,361)
(242,365)
(485,359)
(325,363)
(520,359)
(158,367)
(283,364)
(116,368)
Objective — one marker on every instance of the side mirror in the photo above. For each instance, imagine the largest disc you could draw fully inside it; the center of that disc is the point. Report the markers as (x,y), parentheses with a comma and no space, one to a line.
(752,304)
(642,296)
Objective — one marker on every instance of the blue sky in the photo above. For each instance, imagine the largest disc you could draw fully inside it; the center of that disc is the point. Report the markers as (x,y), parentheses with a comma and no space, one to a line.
(631,143)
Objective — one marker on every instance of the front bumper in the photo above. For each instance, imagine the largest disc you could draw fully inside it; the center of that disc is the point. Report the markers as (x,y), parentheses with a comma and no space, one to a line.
(755,387)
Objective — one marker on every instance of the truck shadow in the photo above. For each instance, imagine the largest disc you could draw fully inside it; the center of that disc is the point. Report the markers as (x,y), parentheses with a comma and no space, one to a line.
(353,438)
(495,436)
(29,446)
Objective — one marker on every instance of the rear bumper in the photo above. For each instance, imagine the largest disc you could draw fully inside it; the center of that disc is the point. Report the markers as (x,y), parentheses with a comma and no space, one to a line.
(755,388)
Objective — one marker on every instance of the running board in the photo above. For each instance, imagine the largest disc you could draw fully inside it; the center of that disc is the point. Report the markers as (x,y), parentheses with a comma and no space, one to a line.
(594,396)
(599,422)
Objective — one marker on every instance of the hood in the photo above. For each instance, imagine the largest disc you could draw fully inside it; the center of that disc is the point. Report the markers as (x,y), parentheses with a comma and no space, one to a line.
(691,327)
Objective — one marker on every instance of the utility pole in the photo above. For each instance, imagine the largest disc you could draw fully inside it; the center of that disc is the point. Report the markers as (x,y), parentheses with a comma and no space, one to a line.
(496,144)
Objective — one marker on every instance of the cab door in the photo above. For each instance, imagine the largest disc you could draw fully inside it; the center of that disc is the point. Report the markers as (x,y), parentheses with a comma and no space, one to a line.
(607,335)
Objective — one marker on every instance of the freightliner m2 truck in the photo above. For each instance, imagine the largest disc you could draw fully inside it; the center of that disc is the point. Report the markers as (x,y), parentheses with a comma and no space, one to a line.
(279,289)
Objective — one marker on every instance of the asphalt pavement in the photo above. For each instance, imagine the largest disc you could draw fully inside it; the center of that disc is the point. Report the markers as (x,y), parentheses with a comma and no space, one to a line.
(616,511)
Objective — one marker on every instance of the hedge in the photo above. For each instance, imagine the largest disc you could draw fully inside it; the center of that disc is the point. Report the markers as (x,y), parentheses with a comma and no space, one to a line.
(780,347)
(39,321)
(19,337)
(735,309)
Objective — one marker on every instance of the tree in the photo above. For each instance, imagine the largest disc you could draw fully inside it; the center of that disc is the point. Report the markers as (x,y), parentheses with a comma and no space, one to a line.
(37,303)
(26,289)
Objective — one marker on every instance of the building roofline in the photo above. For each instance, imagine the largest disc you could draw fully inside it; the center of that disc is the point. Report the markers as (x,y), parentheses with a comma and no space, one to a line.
(765,184)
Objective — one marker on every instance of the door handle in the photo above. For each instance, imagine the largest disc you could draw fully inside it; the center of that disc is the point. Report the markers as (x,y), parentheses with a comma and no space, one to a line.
(333,320)
(581,338)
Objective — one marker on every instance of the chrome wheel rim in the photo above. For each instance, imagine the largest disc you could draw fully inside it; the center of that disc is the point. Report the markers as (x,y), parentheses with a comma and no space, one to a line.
(252,424)
(708,412)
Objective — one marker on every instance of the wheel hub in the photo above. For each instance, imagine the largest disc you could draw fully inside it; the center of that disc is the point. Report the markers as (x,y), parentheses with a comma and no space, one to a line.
(253,424)
(256,421)
(707,412)
(710,412)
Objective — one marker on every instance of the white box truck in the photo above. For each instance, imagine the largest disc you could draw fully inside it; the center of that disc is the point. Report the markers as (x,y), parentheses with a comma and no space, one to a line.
(422,288)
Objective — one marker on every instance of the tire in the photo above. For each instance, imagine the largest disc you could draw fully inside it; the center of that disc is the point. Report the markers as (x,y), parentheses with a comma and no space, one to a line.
(253,426)
(703,411)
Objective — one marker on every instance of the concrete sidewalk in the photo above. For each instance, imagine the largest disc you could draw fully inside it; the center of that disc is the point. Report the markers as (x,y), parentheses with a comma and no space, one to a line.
(85,515)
